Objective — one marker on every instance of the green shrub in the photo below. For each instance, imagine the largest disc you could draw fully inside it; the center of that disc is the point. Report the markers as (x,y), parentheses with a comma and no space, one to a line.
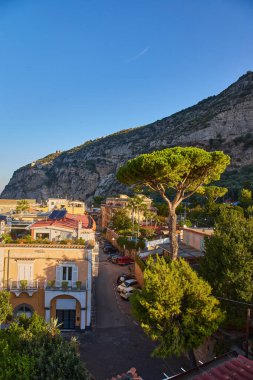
(130,244)
(78,284)
(80,241)
(185,222)
(65,285)
(51,283)
(6,238)
(32,349)
(147,232)
(23,284)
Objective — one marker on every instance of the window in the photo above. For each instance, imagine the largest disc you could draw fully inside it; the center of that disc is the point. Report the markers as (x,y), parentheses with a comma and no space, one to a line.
(25,271)
(24,310)
(67,273)
(42,235)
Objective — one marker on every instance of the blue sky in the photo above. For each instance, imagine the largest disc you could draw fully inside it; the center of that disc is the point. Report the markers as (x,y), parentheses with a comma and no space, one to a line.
(74,70)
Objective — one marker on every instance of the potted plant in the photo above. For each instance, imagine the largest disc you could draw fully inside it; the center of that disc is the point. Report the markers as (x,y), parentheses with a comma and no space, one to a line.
(78,284)
(51,283)
(23,284)
(64,285)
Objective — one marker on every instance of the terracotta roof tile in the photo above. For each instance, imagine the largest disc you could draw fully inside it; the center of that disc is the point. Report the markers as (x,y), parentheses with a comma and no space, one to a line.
(239,368)
(69,221)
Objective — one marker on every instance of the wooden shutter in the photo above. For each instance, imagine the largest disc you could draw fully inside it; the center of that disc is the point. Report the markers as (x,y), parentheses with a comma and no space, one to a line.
(58,275)
(21,272)
(74,275)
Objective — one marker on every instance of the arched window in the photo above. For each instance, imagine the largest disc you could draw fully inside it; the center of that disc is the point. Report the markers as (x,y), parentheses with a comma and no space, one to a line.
(24,309)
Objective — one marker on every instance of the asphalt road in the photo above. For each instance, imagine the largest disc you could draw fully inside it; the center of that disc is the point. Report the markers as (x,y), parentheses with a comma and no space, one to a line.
(116,342)
(108,312)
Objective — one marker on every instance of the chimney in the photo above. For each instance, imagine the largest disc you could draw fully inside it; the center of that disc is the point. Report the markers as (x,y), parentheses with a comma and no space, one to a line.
(79,229)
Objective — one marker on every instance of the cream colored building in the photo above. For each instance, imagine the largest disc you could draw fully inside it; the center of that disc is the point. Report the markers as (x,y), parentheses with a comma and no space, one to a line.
(54,281)
(73,207)
(112,204)
(195,237)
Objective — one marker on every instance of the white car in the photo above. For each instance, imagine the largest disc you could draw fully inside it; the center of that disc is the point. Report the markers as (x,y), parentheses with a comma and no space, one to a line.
(126,294)
(126,284)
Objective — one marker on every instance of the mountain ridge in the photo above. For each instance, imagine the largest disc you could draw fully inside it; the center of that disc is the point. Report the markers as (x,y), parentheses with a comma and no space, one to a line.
(223,121)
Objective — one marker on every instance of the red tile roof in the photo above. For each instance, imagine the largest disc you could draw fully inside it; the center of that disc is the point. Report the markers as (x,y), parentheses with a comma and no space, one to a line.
(129,375)
(239,368)
(70,221)
(226,367)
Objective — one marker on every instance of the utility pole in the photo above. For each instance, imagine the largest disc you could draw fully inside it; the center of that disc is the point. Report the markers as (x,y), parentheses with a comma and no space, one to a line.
(247,333)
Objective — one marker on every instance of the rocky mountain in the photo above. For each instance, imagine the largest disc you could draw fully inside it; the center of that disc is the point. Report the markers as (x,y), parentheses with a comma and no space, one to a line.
(222,122)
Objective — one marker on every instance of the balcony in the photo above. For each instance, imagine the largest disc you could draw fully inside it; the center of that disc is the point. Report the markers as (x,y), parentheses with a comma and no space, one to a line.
(30,287)
(66,286)
(20,286)
(75,289)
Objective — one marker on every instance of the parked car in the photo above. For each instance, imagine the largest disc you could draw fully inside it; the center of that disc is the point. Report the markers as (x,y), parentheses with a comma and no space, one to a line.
(126,295)
(124,260)
(113,257)
(123,277)
(126,284)
(107,244)
(110,249)
(130,288)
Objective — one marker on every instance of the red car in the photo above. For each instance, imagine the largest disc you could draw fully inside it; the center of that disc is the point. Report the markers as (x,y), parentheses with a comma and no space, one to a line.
(124,260)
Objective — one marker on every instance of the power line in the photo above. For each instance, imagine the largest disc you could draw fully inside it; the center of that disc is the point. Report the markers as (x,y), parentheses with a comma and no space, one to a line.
(233,301)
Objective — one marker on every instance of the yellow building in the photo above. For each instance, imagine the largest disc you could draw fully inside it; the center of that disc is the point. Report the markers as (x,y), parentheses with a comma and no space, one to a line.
(54,281)
(10,205)
(73,207)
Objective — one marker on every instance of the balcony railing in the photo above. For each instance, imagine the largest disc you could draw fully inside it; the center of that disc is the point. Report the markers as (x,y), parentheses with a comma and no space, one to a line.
(66,286)
(23,285)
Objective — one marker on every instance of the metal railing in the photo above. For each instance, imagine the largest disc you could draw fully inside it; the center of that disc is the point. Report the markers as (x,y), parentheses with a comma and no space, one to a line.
(43,284)
(21,285)
(65,286)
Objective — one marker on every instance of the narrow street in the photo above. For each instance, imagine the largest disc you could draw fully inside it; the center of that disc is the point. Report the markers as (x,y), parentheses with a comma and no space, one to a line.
(108,313)
(116,342)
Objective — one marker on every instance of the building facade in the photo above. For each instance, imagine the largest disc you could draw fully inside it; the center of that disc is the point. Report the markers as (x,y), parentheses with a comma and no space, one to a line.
(74,207)
(64,227)
(195,237)
(55,282)
(113,204)
(10,205)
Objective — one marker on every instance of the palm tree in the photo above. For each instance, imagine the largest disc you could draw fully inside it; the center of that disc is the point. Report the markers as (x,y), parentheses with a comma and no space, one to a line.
(150,216)
(54,327)
(136,204)
(22,205)
(132,207)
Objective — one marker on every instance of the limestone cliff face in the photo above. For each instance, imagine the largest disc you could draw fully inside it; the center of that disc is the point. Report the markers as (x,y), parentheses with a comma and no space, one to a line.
(222,122)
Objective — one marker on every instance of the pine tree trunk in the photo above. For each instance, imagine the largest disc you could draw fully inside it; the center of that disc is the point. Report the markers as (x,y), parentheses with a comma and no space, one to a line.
(138,231)
(132,221)
(172,234)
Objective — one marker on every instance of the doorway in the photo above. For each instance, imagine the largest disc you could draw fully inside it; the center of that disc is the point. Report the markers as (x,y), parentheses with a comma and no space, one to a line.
(66,319)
